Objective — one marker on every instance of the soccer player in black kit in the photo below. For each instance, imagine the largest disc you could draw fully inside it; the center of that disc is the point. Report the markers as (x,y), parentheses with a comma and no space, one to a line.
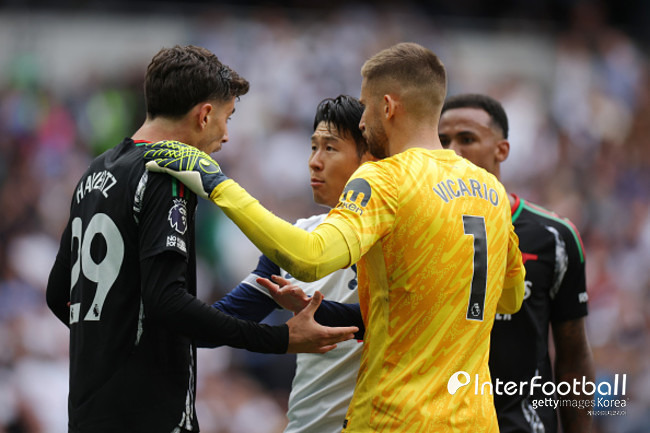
(476,127)
(124,279)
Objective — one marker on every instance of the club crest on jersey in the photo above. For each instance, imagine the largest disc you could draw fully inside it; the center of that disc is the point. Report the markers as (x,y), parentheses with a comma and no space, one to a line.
(177,216)
(355,196)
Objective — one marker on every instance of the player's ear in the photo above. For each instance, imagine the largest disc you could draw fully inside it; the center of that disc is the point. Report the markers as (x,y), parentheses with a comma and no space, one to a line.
(502,150)
(203,114)
(390,105)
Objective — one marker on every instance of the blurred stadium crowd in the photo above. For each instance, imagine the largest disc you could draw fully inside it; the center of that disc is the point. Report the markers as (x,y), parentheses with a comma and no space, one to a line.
(578,98)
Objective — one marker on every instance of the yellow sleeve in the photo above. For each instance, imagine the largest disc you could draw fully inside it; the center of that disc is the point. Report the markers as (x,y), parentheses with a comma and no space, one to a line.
(308,256)
(514,286)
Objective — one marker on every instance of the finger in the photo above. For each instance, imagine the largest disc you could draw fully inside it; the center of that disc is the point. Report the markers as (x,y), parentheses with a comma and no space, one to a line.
(274,290)
(331,342)
(325,349)
(299,294)
(338,337)
(281,281)
(342,334)
(314,303)
(265,282)
(153,166)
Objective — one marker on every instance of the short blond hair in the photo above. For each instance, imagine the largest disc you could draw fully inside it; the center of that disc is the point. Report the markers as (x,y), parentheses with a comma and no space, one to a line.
(411,70)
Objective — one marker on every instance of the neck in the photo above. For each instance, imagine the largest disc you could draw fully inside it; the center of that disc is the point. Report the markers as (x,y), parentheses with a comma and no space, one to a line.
(411,134)
(160,129)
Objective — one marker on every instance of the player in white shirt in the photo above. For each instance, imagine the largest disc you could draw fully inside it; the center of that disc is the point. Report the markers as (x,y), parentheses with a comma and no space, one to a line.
(323,384)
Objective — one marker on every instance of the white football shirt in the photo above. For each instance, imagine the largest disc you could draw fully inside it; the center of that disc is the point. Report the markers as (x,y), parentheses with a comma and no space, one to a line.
(323,383)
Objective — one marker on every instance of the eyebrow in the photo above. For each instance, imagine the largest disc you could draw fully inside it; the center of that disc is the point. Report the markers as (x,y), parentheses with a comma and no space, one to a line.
(463,132)
(326,137)
(329,137)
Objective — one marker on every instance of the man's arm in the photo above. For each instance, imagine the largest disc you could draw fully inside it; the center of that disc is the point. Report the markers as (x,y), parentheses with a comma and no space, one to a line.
(57,293)
(308,256)
(573,360)
(247,302)
(167,302)
(330,313)
(514,285)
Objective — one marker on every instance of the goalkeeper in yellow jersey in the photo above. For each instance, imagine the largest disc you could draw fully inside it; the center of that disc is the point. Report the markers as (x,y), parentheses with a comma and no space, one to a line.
(433,241)
(476,127)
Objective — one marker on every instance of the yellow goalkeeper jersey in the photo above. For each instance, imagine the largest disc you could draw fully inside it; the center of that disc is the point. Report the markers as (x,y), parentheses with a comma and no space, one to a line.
(439,253)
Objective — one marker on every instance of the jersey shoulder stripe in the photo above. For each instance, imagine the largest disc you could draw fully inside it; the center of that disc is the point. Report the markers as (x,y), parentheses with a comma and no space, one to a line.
(178,188)
(545,213)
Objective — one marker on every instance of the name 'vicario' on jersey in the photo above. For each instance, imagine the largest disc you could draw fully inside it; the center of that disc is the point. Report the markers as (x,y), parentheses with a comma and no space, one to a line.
(450,189)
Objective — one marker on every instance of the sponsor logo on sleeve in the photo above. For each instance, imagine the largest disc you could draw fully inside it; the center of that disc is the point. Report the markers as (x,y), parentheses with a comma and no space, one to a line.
(355,196)
(176,242)
(177,216)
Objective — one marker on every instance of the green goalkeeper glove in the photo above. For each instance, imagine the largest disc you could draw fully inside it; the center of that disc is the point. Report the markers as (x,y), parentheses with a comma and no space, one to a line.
(195,168)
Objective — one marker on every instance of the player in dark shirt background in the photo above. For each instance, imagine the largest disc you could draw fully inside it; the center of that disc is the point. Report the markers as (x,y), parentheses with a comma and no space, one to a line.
(124,279)
(476,127)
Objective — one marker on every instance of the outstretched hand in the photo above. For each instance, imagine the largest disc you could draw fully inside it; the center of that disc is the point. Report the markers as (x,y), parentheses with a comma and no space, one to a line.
(287,295)
(307,336)
(195,168)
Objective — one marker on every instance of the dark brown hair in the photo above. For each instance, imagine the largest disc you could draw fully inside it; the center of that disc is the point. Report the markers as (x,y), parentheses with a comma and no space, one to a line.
(178,78)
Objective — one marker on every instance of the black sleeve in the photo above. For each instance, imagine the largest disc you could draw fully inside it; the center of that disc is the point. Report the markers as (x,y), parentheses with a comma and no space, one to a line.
(569,300)
(167,301)
(331,313)
(246,301)
(57,293)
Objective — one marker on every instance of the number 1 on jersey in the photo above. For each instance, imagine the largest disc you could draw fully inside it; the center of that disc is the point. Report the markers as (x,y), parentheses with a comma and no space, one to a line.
(475,226)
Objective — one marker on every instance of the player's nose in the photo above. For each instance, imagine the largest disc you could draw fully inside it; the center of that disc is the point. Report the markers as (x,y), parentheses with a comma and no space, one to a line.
(315,161)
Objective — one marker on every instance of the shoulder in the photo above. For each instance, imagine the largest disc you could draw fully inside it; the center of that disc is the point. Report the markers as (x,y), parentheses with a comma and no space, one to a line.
(548,219)
(544,216)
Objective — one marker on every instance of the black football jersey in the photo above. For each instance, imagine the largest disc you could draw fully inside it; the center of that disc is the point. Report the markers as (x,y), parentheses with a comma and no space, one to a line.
(124,282)
(553,256)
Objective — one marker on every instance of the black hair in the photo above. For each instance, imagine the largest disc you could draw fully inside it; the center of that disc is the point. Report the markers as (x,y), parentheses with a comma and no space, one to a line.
(344,112)
(483,102)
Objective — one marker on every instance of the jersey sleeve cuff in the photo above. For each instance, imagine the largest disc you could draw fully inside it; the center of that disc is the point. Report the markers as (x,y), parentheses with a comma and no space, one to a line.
(350,235)
(251,280)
